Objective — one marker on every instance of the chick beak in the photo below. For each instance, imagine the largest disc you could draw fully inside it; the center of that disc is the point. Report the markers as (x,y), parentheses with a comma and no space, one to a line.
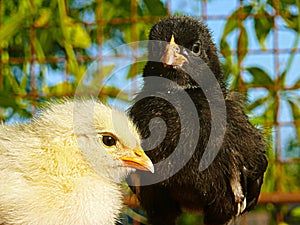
(138,160)
(172,56)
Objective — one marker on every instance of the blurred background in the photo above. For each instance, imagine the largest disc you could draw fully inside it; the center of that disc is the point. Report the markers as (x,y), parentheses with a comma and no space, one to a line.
(46,47)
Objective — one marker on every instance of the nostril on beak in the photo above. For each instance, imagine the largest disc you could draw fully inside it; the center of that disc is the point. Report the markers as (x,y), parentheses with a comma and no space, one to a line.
(138,153)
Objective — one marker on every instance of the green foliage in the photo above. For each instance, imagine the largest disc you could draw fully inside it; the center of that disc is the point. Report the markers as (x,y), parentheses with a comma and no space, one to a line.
(260,17)
(58,33)
(263,25)
(10,96)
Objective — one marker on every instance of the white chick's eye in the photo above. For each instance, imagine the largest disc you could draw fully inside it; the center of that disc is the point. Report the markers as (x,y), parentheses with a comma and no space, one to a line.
(109,140)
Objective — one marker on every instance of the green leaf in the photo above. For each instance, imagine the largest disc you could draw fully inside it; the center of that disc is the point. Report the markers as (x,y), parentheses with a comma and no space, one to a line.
(112,10)
(73,32)
(135,69)
(263,24)
(14,85)
(235,18)
(295,109)
(12,26)
(225,49)
(61,89)
(235,78)
(48,40)
(296,212)
(39,51)
(4,56)
(257,103)
(231,25)
(282,78)
(242,44)
(143,30)
(260,76)
(270,110)
(7,100)
(26,7)
(268,105)
(44,17)
(292,20)
(77,35)
(297,83)
(24,80)
(155,7)
(113,92)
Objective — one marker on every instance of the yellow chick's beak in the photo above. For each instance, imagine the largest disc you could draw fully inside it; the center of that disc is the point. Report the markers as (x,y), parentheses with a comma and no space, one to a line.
(172,56)
(139,160)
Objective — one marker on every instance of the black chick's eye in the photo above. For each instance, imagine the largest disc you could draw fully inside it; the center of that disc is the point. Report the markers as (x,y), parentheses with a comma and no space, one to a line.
(108,140)
(196,48)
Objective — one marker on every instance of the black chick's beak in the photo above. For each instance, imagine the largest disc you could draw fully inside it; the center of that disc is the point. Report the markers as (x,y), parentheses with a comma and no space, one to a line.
(172,56)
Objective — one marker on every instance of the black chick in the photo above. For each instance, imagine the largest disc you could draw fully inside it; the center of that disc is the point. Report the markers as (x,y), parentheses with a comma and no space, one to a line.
(231,184)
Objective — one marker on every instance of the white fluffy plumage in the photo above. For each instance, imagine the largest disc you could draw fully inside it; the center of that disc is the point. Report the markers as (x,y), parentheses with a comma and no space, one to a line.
(64,166)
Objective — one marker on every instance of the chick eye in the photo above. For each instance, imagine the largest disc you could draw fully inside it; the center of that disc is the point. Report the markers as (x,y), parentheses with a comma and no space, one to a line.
(109,140)
(196,48)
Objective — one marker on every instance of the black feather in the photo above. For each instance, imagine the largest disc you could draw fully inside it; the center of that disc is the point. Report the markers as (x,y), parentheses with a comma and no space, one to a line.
(242,153)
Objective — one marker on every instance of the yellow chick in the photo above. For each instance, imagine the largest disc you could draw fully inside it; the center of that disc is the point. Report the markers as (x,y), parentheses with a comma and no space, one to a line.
(64,167)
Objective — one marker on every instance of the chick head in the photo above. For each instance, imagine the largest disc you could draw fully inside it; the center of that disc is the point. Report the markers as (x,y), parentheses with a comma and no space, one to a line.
(106,137)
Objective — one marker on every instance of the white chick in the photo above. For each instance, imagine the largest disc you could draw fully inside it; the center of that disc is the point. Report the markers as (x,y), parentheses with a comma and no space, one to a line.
(64,167)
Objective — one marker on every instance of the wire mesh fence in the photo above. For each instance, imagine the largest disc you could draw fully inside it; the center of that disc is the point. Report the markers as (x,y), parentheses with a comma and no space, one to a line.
(47,46)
